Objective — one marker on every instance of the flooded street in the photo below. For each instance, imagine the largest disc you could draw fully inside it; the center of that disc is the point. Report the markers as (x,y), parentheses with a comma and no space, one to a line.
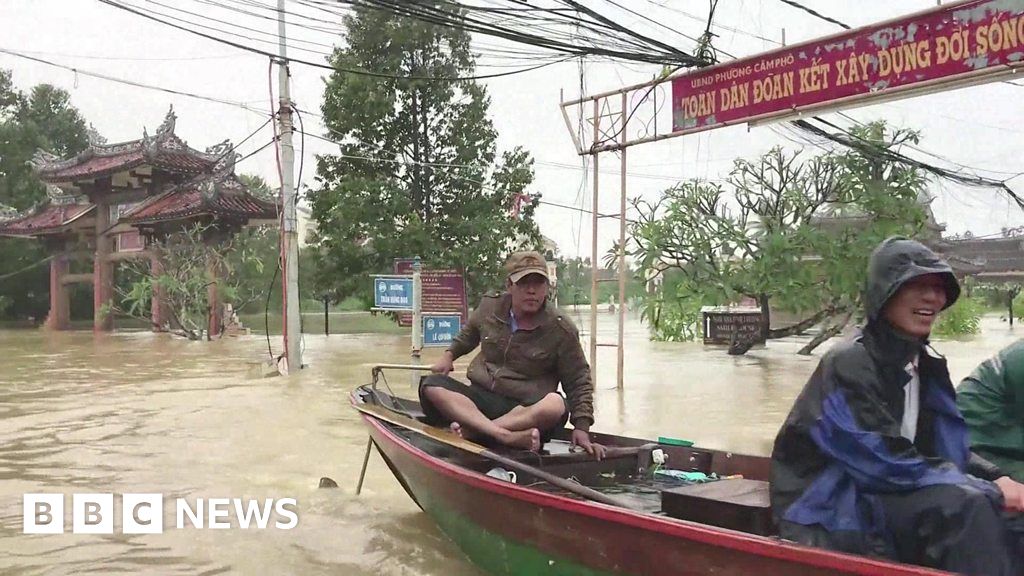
(137,412)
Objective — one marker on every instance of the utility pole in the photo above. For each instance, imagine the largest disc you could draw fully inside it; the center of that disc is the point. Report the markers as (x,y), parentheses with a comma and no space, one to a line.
(417,316)
(289,220)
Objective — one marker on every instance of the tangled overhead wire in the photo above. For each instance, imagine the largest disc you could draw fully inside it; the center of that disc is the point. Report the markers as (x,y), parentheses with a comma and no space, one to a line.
(873,149)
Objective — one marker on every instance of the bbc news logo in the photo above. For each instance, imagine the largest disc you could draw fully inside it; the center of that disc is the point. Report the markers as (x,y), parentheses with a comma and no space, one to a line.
(144,513)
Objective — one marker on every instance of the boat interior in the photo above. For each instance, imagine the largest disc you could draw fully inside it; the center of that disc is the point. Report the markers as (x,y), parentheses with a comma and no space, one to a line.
(666,478)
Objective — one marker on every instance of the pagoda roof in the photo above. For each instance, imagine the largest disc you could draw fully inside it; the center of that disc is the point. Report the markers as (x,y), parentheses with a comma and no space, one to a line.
(46,219)
(987,256)
(219,195)
(163,150)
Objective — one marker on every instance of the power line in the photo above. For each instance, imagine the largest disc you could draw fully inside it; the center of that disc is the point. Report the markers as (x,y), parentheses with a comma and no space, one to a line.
(275,18)
(108,78)
(135,58)
(938,156)
(720,26)
(875,150)
(276,37)
(630,45)
(325,66)
(220,32)
(655,22)
(26,268)
(815,13)
(456,177)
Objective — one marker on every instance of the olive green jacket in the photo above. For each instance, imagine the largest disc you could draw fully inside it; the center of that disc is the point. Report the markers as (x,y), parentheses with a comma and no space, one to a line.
(992,402)
(528,364)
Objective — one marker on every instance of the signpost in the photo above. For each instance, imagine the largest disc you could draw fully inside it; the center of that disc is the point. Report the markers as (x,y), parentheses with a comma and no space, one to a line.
(444,291)
(723,325)
(439,330)
(432,302)
(393,292)
(398,293)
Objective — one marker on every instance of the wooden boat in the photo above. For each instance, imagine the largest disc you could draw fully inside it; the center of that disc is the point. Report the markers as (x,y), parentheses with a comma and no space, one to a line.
(563,513)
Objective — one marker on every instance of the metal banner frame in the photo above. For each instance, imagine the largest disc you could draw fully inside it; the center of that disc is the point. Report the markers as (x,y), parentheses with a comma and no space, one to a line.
(645,109)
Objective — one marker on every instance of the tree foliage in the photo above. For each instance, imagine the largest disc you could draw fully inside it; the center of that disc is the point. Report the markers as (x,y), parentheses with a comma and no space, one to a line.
(786,230)
(189,260)
(41,118)
(416,173)
(960,319)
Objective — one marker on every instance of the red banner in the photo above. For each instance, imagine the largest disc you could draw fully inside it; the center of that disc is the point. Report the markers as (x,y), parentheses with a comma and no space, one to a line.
(959,43)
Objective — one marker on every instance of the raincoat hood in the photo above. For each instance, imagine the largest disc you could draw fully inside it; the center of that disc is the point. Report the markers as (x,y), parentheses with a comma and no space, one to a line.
(893,263)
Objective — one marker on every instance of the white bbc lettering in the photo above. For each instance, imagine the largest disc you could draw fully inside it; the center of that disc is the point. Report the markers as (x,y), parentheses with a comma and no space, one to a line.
(195,516)
(43,514)
(216,509)
(92,513)
(293,515)
(142,513)
(252,508)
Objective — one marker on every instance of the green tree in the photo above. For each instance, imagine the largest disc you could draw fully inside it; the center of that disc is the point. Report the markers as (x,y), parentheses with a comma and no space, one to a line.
(261,273)
(415,174)
(257,186)
(785,231)
(43,118)
(189,258)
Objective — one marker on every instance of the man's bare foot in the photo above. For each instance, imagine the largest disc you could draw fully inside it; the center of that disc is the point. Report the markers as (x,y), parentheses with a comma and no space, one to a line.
(456,429)
(525,439)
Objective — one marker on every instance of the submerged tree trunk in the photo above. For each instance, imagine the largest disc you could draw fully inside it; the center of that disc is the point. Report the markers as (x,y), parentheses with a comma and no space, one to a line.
(804,324)
(827,333)
(766,315)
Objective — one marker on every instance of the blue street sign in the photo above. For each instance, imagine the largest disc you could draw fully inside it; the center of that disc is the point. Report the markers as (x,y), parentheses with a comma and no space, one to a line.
(392,293)
(440,330)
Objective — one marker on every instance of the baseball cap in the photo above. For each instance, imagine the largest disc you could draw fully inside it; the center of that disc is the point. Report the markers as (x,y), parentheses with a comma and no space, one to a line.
(521,264)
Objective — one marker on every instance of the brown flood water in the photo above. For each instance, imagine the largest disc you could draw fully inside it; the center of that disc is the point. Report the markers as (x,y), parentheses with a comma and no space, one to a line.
(136,412)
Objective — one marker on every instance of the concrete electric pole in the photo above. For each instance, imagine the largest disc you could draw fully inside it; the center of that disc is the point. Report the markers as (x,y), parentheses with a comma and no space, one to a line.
(289,221)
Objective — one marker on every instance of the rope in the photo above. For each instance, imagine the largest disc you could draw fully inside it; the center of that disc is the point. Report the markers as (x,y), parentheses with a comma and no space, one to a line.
(26,268)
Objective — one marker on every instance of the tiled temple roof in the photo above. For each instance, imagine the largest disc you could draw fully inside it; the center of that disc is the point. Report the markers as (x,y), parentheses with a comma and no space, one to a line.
(215,195)
(47,219)
(163,150)
(985,255)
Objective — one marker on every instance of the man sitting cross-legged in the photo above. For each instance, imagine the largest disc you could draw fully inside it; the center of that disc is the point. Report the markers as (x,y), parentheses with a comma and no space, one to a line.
(527,349)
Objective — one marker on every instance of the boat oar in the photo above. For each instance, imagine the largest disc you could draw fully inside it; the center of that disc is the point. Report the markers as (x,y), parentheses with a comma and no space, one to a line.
(446,437)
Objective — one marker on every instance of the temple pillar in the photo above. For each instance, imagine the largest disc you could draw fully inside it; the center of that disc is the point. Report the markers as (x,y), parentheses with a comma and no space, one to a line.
(158,308)
(213,298)
(103,271)
(59,317)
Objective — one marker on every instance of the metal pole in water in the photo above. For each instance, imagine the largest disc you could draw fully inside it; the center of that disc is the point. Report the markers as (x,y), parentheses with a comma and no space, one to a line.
(417,317)
(327,323)
(593,254)
(362,472)
(620,351)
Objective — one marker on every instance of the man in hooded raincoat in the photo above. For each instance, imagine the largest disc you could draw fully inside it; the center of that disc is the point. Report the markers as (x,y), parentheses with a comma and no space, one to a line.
(873,458)
(992,402)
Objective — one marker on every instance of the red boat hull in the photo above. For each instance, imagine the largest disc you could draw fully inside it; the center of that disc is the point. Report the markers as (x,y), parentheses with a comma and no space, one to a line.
(509,529)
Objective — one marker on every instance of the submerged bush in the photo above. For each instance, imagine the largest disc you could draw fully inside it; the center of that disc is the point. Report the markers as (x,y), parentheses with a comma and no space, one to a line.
(962,318)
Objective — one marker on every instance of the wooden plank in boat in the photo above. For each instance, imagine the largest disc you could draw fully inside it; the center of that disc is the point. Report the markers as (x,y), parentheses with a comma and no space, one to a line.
(737,504)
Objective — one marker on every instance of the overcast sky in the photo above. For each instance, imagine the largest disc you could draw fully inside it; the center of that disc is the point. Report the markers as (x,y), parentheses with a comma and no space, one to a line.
(978,127)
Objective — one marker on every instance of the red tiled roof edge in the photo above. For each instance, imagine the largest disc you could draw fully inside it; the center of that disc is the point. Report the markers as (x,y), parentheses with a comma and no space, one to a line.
(49,220)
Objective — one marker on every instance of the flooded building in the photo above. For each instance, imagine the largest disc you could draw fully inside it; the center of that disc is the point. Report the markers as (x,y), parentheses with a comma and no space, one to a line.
(110,202)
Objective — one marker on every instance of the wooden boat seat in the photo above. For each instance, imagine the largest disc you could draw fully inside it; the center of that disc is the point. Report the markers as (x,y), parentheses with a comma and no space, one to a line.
(737,504)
